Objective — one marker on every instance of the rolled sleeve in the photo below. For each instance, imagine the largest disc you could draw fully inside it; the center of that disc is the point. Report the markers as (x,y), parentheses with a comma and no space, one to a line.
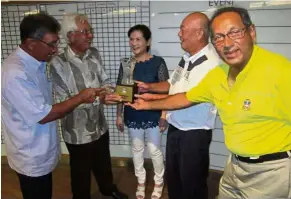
(26,98)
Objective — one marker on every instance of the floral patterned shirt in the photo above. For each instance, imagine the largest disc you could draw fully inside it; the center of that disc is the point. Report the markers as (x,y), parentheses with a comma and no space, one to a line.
(71,74)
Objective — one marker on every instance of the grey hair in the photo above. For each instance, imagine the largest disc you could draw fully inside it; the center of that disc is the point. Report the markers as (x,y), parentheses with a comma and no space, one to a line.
(69,23)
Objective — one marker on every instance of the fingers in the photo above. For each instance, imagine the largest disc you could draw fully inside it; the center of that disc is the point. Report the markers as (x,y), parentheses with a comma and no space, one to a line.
(110,102)
(138,82)
(120,124)
(109,89)
(139,95)
(130,104)
(141,85)
(162,129)
(89,95)
(163,124)
(113,98)
(144,96)
(121,128)
(139,101)
(91,99)
(142,90)
(99,89)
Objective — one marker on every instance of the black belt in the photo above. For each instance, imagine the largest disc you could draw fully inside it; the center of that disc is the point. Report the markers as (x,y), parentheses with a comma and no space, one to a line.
(264,158)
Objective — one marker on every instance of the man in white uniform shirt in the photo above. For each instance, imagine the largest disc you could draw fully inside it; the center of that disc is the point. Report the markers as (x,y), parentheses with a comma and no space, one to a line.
(190,129)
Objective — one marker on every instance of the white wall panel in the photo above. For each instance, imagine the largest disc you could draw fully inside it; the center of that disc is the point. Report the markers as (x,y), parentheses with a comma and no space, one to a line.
(283,49)
(281,35)
(218,160)
(218,148)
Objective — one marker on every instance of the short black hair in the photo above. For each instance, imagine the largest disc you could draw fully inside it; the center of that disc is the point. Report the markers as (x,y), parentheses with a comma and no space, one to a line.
(37,25)
(146,32)
(243,13)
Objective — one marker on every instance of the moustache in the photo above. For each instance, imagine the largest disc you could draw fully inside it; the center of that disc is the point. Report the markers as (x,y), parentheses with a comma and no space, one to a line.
(227,49)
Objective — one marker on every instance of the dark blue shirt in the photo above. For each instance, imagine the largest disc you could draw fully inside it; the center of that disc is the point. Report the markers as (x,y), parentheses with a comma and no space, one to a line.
(149,71)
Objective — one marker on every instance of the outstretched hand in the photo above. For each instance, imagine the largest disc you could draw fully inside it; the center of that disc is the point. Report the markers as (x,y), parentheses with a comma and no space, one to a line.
(113,98)
(142,86)
(139,104)
(89,95)
(145,96)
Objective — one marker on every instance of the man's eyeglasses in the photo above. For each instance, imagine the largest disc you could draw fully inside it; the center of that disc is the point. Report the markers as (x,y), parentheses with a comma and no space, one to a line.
(85,31)
(53,44)
(219,38)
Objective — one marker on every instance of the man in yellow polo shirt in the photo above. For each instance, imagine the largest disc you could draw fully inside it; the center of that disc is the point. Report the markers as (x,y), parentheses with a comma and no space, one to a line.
(252,93)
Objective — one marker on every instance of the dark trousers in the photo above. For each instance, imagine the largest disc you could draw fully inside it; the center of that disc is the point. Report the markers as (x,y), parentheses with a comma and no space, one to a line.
(187,163)
(95,157)
(36,187)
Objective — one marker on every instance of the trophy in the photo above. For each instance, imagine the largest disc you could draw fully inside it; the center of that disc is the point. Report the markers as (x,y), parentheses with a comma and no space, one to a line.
(128,87)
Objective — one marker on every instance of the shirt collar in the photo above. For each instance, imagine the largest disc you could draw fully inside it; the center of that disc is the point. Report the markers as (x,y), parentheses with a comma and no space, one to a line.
(203,51)
(33,63)
(252,59)
(71,55)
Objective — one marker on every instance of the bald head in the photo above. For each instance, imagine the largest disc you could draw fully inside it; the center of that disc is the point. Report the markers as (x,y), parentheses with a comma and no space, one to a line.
(198,20)
(194,32)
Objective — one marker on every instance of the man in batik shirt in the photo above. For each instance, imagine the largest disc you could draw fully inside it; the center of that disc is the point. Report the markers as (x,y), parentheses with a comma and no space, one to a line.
(85,130)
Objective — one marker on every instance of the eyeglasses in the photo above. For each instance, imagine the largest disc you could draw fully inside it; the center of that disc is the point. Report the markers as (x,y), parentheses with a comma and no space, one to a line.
(53,44)
(85,31)
(219,38)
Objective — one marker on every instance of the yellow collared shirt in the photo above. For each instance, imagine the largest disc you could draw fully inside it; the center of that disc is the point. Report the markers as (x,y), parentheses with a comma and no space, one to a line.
(256,111)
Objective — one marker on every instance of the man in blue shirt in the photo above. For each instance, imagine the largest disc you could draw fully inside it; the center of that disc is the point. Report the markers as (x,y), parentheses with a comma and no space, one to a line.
(28,115)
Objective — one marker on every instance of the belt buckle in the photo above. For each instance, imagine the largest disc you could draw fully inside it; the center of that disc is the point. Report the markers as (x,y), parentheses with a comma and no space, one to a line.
(254,158)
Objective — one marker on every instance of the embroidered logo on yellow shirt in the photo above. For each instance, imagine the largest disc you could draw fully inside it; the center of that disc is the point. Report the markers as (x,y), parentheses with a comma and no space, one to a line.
(247,105)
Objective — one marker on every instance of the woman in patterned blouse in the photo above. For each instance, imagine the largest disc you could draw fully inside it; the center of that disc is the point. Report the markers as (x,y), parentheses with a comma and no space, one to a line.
(148,68)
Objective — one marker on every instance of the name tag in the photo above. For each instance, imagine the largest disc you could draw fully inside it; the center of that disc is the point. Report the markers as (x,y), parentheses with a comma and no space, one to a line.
(186,76)
(177,75)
